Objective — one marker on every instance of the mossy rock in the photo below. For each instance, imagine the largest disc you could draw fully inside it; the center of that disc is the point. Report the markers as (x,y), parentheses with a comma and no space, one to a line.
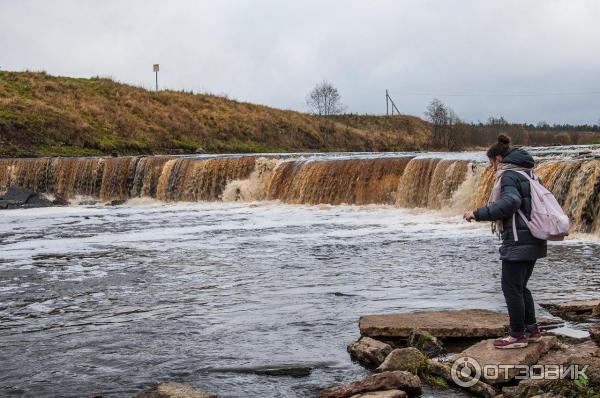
(408,359)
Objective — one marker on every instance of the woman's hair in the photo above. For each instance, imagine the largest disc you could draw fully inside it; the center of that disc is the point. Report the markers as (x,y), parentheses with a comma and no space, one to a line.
(500,148)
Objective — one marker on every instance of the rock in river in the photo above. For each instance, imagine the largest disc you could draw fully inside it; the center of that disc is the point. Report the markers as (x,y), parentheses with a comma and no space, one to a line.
(398,380)
(16,197)
(369,352)
(470,323)
(173,390)
(409,359)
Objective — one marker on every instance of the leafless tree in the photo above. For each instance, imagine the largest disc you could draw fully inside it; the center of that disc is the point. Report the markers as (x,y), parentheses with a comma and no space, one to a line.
(325,100)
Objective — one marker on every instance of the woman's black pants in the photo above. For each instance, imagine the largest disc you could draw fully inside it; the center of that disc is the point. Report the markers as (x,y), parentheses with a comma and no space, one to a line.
(521,310)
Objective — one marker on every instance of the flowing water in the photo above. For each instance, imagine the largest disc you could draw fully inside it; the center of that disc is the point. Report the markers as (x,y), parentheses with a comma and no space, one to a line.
(220,267)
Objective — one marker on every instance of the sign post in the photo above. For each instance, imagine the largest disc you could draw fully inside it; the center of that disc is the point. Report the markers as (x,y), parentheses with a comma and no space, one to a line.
(155,68)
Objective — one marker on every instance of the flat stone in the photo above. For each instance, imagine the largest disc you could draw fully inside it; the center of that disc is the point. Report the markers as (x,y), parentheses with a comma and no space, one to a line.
(382,394)
(485,353)
(409,359)
(561,353)
(173,390)
(475,323)
(444,370)
(369,352)
(398,380)
(574,310)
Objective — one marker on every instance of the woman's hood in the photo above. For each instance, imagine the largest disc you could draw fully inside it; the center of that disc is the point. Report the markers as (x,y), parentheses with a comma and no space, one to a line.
(519,157)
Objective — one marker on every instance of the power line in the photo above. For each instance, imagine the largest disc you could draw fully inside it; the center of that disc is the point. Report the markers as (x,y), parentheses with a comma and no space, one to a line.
(574,93)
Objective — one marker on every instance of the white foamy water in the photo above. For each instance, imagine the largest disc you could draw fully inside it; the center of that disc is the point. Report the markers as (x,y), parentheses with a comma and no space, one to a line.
(109,300)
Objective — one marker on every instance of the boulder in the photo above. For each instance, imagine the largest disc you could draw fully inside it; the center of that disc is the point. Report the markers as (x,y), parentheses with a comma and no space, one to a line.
(369,352)
(426,343)
(444,370)
(574,310)
(17,194)
(382,394)
(485,353)
(16,197)
(409,359)
(398,380)
(470,323)
(173,390)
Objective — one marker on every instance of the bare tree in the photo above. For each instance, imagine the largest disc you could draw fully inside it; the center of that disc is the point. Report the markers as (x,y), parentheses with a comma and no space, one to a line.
(439,116)
(325,100)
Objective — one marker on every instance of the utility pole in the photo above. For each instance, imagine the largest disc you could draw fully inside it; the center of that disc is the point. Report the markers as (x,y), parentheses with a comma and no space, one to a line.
(156,67)
(388,101)
(387,107)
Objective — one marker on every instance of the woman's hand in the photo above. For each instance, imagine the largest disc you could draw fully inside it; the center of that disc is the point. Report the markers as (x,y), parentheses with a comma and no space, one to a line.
(469,216)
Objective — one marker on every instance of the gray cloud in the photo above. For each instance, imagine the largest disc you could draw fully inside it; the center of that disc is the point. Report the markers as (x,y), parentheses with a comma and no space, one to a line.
(273,51)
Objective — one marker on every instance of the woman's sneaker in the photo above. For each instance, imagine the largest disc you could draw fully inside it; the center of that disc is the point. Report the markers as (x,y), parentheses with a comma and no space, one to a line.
(511,342)
(533,333)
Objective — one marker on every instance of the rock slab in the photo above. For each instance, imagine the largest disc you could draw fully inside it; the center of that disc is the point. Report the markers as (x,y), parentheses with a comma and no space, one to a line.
(574,310)
(398,380)
(469,323)
(485,353)
(174,390)
(369,352)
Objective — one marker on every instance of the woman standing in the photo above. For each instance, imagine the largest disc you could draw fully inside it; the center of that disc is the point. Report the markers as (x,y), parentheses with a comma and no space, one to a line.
(518,255)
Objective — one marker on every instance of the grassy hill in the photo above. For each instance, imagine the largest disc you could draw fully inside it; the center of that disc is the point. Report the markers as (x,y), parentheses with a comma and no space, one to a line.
(48,115)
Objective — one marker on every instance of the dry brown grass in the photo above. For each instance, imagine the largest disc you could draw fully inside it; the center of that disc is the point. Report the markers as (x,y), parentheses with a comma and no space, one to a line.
(48,115)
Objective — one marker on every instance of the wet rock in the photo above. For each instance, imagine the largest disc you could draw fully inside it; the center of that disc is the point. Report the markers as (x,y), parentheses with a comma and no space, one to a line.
(17,194)
(369,352)
(444,370)
(116,202)
(173,390)
(89,202)
(16,197)
(60,200)
(398,380)
(485,354)
(426,343)
(409,359)
(595,333)
(299,371)
(382,394)
(574,310)
(561,353)
(593,368)
(475,323)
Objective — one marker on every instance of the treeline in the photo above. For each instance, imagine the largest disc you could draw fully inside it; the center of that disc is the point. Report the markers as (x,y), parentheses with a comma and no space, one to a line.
(452,133)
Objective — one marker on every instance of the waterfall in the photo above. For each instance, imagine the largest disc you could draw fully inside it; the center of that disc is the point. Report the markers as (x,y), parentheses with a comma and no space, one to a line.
(403,181)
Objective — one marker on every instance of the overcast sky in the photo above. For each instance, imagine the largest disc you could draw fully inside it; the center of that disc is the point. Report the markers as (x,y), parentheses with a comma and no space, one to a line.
(480,57)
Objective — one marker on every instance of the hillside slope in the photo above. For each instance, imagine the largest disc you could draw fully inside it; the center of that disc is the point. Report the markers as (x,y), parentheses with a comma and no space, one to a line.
(47,115)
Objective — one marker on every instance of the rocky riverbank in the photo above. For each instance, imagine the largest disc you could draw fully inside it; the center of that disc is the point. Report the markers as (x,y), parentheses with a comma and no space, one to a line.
(454,349)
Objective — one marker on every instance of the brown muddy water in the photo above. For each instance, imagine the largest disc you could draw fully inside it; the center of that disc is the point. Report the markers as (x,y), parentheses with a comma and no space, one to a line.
(217,268)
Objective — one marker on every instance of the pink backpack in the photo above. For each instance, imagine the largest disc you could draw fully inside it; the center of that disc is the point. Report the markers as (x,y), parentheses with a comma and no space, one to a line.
(548,220)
